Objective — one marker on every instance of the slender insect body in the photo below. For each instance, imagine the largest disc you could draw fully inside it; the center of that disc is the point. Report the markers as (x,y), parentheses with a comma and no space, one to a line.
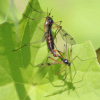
(50,39)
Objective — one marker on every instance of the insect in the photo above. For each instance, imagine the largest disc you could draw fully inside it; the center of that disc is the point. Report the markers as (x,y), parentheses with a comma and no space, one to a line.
(50,39)
(47,32)
(66,61)
(47,26)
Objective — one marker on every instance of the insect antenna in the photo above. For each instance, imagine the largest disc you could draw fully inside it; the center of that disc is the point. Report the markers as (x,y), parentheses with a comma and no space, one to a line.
(47,11)
(51,10)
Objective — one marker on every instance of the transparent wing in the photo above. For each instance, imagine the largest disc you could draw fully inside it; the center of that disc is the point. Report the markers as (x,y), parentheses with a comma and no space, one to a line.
(46,64)
(67,36)
(44,37)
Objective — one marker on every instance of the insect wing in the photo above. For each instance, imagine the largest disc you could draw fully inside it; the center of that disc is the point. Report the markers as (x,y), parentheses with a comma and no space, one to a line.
(65,35)
(46,64)
(44,37)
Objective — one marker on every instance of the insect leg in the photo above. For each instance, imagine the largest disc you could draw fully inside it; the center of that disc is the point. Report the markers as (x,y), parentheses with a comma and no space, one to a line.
(56,62)
(45,25)
(74,73)
(57,22)
(60,54)
(53,60)
(32,18)
(26,45)
(70,54)
(60,70)
(57,31)
(35,9)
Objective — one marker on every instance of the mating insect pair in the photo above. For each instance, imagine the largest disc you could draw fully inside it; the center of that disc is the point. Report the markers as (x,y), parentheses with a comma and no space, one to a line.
(50,42)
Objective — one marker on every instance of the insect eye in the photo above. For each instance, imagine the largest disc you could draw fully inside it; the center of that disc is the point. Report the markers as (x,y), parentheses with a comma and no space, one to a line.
(66,60)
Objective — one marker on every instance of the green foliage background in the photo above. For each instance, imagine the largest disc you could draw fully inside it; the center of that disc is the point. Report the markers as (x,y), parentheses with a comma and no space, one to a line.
(19,75)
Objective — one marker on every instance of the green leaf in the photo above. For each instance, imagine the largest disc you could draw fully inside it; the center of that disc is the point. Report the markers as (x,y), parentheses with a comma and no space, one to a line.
(19,78)
(81,83)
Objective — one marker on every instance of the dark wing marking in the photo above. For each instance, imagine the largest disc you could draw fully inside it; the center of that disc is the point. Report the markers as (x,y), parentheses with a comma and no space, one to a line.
(46,64)
(44,37)
(64,34)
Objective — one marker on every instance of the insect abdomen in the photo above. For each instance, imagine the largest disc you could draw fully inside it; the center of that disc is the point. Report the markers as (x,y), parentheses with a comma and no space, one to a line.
(50,41)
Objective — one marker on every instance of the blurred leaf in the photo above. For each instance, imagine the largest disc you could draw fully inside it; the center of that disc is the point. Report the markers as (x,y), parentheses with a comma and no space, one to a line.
(4,6)
(8,11)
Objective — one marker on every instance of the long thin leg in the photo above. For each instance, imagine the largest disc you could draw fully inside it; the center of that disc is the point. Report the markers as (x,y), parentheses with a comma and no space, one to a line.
(43,68)
(81,59)
(59,53)
(75,58)
(60,70)
(86,69)
(32,18)
(57,22)
(57,31)
(34,9)
(75,72)
(56,62)
(60,27)
(65,73)
(70,54)
(53,60)
(45,25)
(26,45)
(66,48)
(56,27)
